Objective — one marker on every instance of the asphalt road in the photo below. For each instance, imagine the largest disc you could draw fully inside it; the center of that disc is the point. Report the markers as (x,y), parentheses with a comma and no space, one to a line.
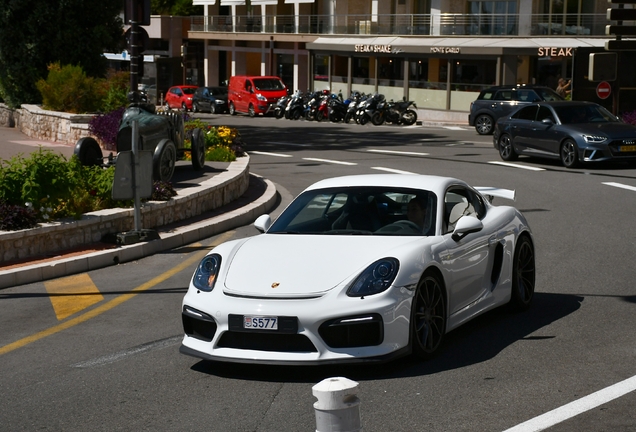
(99,351)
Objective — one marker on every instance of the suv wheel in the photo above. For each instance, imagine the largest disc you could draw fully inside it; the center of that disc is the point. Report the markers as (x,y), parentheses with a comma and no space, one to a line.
(484,124)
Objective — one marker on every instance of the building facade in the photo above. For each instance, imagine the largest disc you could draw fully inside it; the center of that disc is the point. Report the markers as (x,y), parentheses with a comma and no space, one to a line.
(438,53)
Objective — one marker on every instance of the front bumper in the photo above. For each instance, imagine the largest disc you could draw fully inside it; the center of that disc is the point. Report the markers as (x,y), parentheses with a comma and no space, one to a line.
(329,329)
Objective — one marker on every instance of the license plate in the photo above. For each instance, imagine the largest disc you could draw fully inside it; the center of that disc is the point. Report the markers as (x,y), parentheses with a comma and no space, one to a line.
(627,148)
(260,322)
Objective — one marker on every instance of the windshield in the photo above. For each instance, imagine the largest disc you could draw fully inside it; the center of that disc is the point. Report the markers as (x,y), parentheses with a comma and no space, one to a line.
(360,211)
(268,84)
(189,90)
(548,94)
(572,114)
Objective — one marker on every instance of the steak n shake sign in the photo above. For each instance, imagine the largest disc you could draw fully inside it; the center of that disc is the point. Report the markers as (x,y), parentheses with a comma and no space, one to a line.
(554,52)
(375,49)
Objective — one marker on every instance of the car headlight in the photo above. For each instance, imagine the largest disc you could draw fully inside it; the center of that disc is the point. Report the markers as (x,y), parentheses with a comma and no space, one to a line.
(260,97)
(594,138)
(205,275)
(219,102)
(375,278)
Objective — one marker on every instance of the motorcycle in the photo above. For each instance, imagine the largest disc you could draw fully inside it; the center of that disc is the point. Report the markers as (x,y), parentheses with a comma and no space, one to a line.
(356,98)
(367,108)
(295,107)
(337,109)
(396,113)
(281,106)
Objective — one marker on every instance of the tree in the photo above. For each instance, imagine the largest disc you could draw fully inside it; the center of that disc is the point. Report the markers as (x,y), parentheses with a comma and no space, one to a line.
(36,33)
(175,8)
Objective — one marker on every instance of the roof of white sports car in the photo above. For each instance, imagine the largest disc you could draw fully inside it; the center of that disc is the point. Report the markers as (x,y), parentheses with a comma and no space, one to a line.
(426,182)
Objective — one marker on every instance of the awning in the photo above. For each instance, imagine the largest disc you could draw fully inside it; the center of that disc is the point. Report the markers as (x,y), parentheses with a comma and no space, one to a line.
(437,45)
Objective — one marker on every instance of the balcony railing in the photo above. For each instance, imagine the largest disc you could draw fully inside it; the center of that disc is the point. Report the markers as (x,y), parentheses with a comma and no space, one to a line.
(422,25)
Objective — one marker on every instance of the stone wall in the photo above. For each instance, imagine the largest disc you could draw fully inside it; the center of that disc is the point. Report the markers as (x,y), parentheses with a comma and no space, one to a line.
(53,126)
(48,238)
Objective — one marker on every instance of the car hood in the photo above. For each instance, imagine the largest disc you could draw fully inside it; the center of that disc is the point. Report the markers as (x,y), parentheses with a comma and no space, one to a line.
(288,265)
(611,130)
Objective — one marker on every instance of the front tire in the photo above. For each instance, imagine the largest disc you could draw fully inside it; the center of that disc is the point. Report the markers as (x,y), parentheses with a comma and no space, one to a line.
(88,152)
(569,154)
(320,116)
(428,317)
(377,118)
(484,124)
(523,275)
(197,146)
(506,150)
(212,108)
(163,160)
(364,119)
(251,111)
(232,109)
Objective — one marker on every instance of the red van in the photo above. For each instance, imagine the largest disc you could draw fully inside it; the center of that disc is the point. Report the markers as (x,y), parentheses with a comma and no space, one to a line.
(254,94)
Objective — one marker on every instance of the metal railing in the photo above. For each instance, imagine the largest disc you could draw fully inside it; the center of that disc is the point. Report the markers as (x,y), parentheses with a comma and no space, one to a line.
(408,24)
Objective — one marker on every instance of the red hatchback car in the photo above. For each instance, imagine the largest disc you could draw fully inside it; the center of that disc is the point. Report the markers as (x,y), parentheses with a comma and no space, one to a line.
(180,97)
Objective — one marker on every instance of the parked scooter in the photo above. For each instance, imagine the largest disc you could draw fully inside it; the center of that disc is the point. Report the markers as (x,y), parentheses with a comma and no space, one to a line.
(295,107)
(367,108)
(337,108)
(356,98)
(281,106)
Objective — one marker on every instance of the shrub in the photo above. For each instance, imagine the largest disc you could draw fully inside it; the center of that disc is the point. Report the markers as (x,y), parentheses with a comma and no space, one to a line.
(162,191)
(222,143)
(68,89)
(115,88)
(106,126)
(15,217)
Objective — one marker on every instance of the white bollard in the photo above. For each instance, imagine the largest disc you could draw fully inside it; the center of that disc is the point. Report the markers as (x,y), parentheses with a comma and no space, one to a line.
(338,407)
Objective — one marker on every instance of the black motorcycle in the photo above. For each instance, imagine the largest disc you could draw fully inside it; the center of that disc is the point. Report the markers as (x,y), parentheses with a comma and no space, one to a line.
(395,112)
(337,109)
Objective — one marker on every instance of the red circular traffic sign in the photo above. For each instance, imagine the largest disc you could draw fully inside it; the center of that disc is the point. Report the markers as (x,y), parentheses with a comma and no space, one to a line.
(603,90)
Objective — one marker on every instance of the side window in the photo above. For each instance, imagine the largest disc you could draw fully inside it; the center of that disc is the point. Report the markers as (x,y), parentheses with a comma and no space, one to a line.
(545,113)
(503,95)
(527,113)
(527,96)
(248,85)
(486,95)
(460,201)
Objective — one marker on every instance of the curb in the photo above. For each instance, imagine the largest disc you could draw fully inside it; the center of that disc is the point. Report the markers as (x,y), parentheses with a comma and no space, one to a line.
(169,239)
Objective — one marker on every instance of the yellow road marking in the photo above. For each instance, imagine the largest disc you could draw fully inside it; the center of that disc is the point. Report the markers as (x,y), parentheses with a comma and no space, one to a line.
(72,294)
(114,302)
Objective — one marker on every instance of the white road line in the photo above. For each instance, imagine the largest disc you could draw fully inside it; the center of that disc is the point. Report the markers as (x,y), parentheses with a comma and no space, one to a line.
(577,407)
(132,351)
(270,154)
(454,128)
(330,161)
(526,167)
(286,143)
(622,186)
(398,152)
(391,170)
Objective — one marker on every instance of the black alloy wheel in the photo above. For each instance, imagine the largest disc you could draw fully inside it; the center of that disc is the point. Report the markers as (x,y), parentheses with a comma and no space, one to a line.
(409,117)
(377,118)
(484,124)
(428,317)
(212,108)
(523,274)
(569,154)
(194,107)
(506,151)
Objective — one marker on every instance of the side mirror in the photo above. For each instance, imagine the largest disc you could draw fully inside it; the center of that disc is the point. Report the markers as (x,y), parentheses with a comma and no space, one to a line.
(466,225)
(263,222)
(547,121)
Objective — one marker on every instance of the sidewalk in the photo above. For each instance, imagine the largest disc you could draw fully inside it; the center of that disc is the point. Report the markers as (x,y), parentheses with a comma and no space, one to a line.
(260,198)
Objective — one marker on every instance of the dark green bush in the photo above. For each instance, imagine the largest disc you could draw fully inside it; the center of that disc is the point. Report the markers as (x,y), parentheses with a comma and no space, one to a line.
(15,217)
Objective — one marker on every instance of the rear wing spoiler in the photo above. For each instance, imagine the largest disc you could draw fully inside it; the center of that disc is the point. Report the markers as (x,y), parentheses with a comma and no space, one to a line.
(491,192)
